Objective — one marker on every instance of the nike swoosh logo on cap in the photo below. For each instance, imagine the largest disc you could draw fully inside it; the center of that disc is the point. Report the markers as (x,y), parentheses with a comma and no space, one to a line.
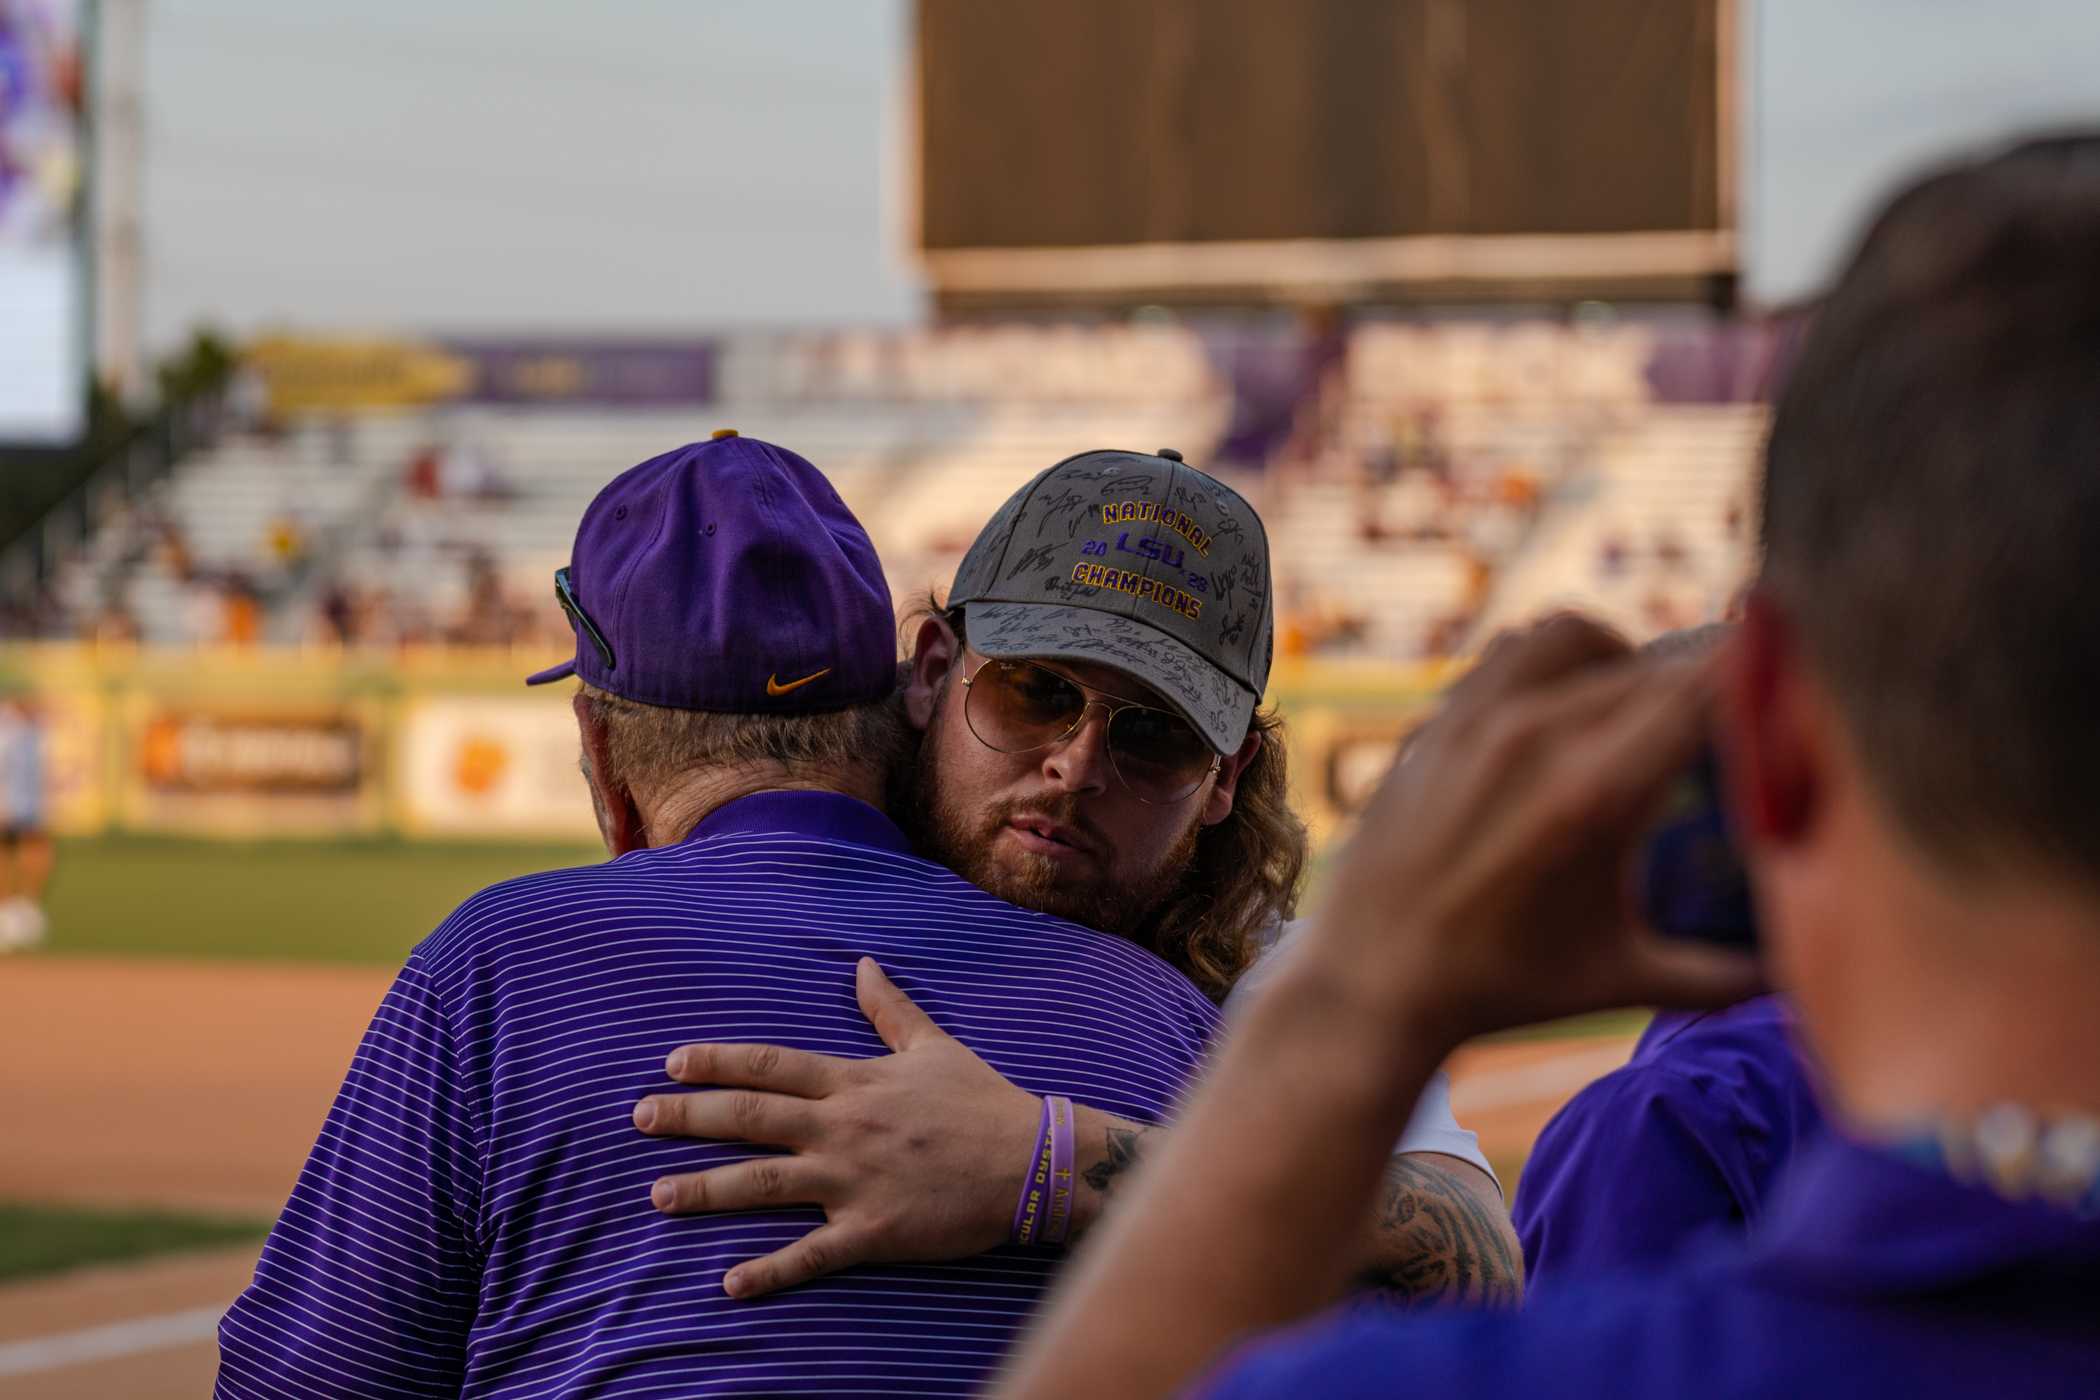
(774,687)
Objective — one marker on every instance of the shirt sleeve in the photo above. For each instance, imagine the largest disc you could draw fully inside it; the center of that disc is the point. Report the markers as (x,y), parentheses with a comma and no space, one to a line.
(1432,1127)
(368,1283)
(1626,1174)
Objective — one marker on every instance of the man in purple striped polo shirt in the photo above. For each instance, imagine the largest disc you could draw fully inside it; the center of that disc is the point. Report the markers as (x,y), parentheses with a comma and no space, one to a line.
(476,1216)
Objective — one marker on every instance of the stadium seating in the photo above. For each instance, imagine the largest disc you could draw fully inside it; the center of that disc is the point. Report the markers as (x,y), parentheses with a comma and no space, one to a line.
(251,509)
(1656,533)
(1445,479)
(537,470)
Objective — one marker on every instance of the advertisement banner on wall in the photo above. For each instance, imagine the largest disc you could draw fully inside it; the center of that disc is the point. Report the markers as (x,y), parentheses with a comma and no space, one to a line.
(491,766)
(71,725)
(1151,364)
(608,372)
(348,375)
(309,374)
(197,769)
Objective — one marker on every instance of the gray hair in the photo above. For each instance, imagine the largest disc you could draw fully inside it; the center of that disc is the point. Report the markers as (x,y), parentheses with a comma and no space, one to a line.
(653,746)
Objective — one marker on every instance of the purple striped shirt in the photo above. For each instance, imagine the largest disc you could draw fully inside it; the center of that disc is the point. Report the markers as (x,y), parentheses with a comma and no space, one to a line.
(475,1218)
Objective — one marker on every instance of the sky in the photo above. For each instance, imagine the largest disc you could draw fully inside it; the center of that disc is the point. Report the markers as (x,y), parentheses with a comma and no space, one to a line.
(521,165)
(680,166)
(1850,96)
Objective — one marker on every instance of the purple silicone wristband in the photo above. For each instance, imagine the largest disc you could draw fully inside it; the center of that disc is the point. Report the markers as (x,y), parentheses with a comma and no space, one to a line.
(1028,1212)
(1064,1133)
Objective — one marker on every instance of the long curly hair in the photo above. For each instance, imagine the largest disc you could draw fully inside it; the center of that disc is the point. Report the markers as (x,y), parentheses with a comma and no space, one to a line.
(1247,870)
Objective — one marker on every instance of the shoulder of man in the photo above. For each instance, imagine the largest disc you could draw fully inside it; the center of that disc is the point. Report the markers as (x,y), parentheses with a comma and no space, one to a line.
(1741,1063)
(495,918)
(1697,1126)
(558,902)
(1762,1025)
(1272,942)
(1632,1336)
(1738,1066)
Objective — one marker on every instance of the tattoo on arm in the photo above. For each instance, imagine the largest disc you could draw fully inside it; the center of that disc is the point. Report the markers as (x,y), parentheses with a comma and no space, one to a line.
(1123,1145)
(1439,1243)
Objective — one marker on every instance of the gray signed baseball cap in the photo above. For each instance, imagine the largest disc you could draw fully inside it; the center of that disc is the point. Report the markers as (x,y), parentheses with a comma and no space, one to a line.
(1136,561)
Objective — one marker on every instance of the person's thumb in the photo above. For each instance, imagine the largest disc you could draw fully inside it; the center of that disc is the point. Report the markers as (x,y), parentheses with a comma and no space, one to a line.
(897,1019)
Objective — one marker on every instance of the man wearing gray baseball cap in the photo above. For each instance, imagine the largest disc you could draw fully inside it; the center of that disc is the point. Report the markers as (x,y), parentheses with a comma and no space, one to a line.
(1094,749)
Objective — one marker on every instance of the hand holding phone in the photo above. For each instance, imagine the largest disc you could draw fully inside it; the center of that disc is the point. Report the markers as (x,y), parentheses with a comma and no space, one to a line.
(1693,884)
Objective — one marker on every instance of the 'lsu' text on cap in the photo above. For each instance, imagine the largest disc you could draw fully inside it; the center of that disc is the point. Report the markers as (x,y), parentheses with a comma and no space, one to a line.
(1136,561)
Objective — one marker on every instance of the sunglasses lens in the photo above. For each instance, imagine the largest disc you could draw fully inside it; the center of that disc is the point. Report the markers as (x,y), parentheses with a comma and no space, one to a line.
(1160,757)
(1014,707)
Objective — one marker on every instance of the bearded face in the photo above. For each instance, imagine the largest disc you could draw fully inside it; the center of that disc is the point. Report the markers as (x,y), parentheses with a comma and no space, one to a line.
(1051,830)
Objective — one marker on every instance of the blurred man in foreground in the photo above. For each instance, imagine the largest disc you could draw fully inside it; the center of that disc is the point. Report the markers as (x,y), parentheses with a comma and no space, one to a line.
(1093,749)
(476,1216)
(1907,717)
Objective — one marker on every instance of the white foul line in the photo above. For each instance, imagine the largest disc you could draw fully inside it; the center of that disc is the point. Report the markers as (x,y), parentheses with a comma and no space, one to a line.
(110,1341)
(1491,1089)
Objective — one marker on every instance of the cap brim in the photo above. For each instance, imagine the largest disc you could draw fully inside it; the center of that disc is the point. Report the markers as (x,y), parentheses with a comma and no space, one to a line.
(1220,707)
(553,673)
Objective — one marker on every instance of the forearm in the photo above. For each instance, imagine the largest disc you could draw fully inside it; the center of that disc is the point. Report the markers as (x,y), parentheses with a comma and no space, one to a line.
(1108,1148)
(1279,1146)
(1439,1232)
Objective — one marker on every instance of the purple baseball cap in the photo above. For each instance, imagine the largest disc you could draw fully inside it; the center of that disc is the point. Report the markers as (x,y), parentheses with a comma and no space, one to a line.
(727,576)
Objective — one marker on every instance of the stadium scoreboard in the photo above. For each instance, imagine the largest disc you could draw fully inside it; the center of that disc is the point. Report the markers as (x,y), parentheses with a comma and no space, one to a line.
(1130,150)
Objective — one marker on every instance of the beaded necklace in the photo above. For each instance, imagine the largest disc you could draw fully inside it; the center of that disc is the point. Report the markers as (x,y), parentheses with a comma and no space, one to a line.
(2019,1153)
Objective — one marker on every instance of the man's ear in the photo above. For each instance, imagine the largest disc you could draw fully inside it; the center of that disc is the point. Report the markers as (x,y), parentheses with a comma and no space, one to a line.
(1770,742)
(935,653)
(1218,805)
(619,818)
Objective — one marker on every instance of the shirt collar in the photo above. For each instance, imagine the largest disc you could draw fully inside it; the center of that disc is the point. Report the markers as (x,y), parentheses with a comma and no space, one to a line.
(1864,1220)
(805,812)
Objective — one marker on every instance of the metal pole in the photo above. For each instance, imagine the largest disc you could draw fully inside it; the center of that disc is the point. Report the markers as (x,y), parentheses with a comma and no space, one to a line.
(119,125)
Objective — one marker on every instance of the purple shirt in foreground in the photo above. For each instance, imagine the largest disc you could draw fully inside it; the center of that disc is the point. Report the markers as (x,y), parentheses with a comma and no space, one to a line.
(1869,1277)
(475,1218)
(1687,1139)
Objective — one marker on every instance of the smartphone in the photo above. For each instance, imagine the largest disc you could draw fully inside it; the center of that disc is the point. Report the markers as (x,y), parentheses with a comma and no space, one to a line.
(1692,881)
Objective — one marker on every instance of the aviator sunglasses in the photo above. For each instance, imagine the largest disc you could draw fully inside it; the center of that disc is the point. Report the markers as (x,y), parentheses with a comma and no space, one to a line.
(1019,707)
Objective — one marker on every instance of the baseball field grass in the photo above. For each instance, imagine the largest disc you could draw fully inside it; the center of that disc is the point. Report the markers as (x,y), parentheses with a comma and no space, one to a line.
(337,902)
(41,1239)
(363,903)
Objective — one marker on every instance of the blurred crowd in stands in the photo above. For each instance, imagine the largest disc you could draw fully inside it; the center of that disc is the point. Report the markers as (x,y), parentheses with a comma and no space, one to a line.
(1417,469)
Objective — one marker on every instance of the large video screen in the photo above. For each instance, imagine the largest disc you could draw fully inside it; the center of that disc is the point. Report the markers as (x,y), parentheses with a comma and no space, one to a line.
(43,222)
(1082,123)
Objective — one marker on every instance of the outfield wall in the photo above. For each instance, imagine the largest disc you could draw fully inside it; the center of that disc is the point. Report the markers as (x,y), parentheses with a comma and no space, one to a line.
(448,744)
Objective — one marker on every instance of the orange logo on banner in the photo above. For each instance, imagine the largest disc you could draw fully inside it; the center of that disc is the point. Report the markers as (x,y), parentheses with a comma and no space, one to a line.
(480,765)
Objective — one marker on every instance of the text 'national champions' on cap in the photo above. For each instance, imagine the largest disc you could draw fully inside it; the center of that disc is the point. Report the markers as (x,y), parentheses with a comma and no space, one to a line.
(1136,561)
